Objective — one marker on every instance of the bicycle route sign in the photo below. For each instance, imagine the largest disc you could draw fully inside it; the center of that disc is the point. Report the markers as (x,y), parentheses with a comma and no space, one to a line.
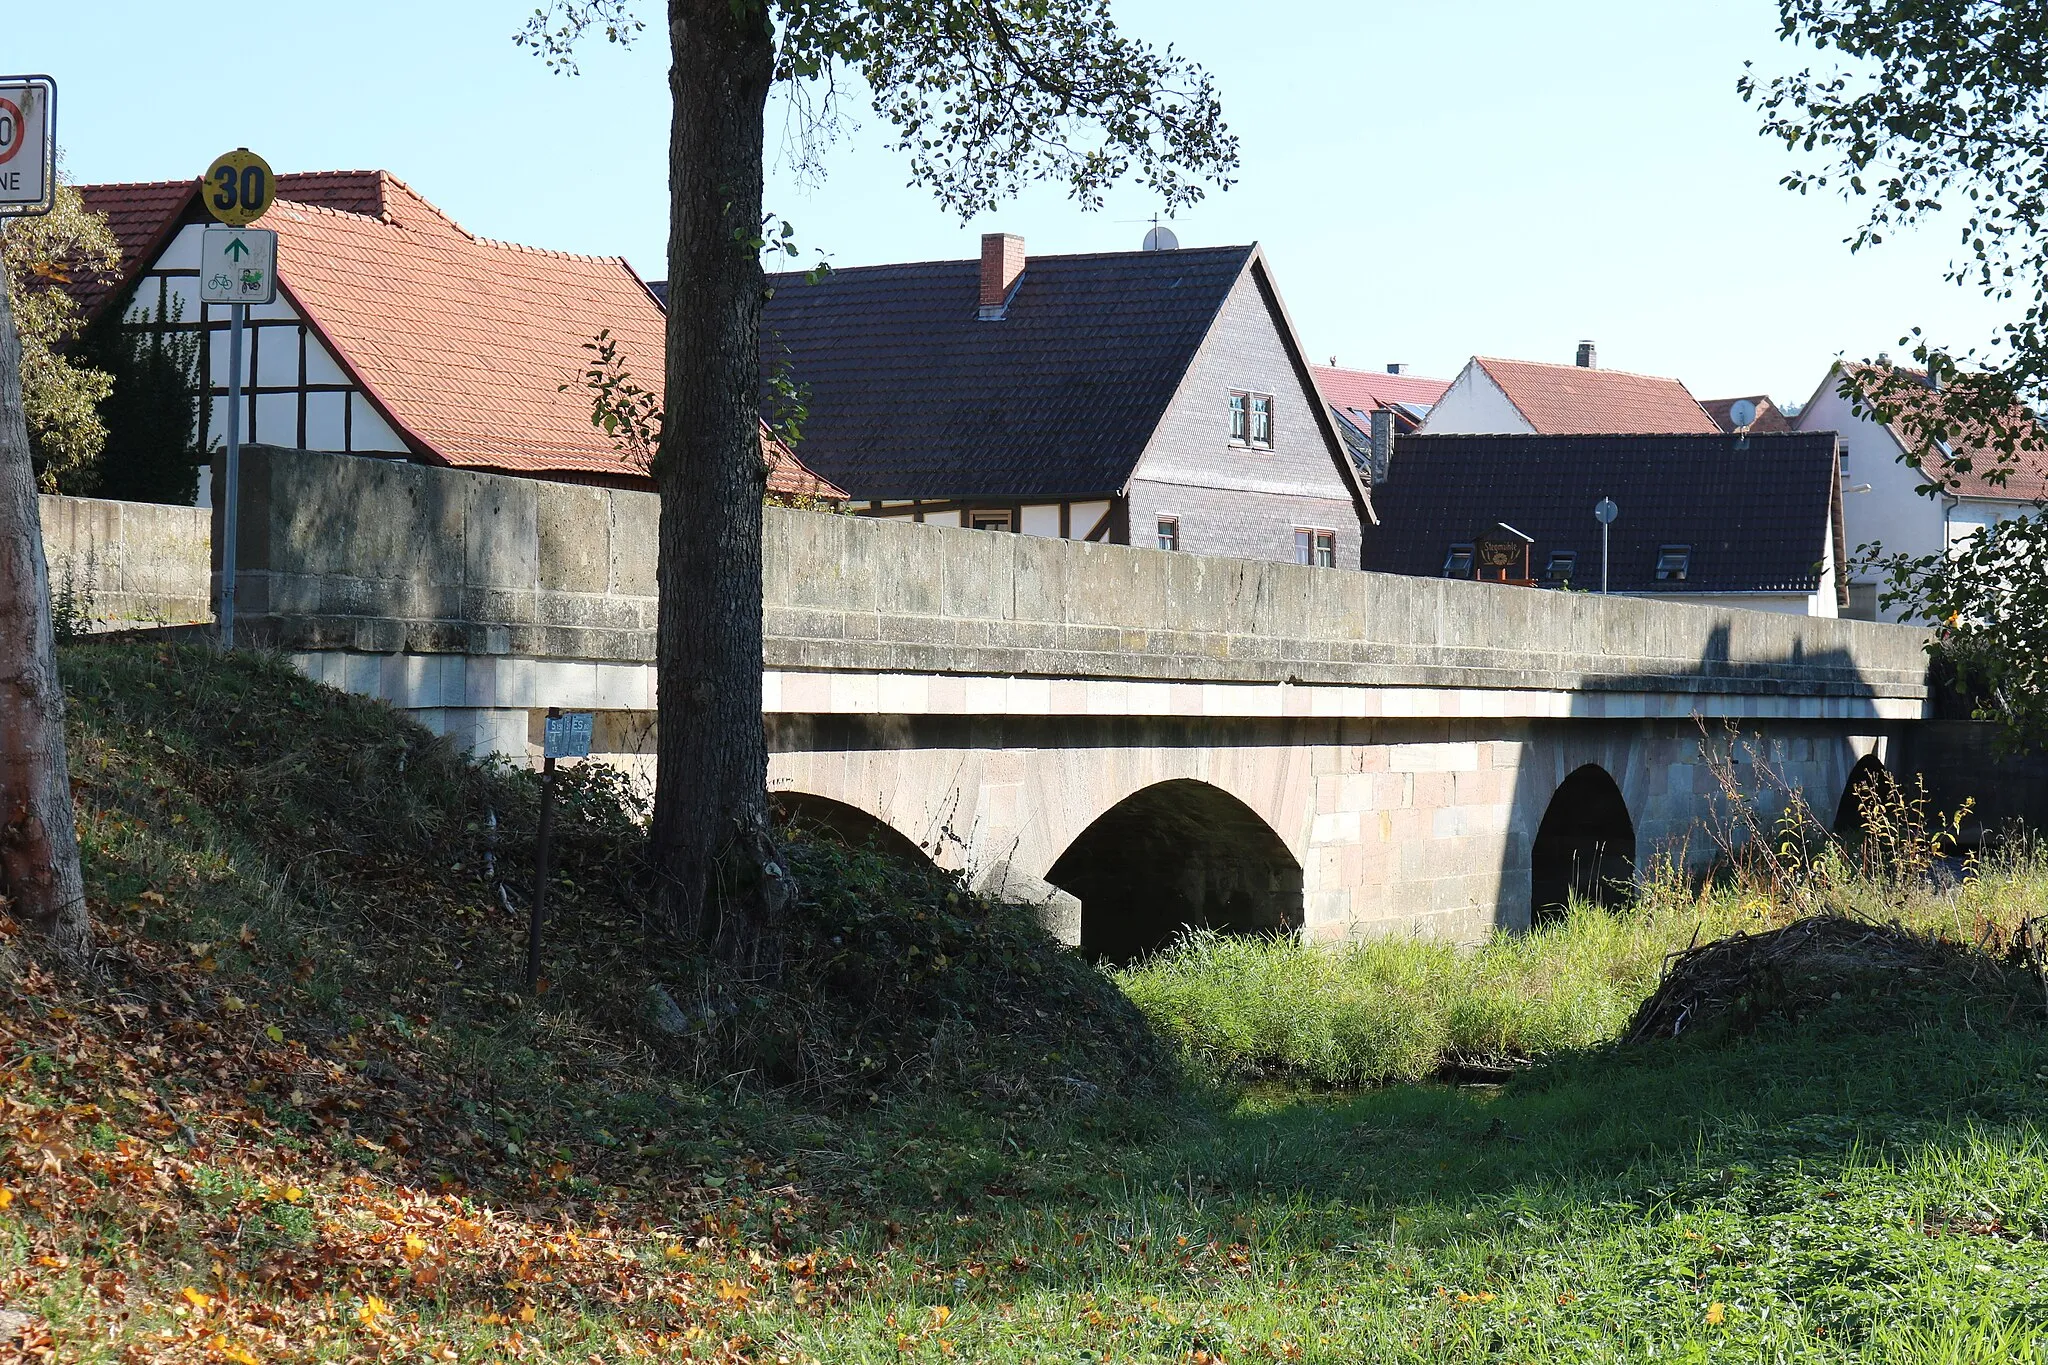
(237,265)
(239,188)
(28,145)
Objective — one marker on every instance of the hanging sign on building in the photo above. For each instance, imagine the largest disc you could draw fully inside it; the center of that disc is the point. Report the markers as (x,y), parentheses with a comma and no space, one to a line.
(28,145)
(237,265)
(239,188)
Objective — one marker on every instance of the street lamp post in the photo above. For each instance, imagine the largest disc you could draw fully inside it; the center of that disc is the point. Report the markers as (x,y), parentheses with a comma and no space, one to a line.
(1604,512)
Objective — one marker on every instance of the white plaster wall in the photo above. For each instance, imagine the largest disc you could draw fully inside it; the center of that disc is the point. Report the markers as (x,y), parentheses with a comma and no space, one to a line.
(369,432)
(1890,515)
(1473,404)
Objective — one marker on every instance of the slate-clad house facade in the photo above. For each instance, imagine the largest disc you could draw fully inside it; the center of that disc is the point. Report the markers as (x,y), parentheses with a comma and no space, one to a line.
(1155,398)
(1717,519)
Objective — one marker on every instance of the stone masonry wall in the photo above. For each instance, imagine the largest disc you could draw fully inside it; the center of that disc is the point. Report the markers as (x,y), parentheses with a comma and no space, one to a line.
(128,563)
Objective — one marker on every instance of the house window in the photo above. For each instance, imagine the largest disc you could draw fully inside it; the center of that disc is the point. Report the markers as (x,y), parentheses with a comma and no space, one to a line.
(1845,462)
(1169,533)
(1251,419)
(1673,563)
(1560,567)
(1317,548)
(989,518)
(1458,563)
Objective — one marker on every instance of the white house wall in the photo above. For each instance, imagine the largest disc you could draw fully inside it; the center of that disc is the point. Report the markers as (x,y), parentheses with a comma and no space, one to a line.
(1474,405)
(1891,515)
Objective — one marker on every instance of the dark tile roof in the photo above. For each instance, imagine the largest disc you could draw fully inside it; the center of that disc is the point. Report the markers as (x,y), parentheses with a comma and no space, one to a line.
(910,395)
(1757,518)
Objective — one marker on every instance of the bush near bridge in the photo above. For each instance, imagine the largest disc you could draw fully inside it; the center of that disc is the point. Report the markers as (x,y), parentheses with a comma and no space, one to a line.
(302,1118)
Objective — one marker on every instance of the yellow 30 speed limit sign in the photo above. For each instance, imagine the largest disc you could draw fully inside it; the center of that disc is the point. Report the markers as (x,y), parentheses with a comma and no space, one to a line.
(239,188)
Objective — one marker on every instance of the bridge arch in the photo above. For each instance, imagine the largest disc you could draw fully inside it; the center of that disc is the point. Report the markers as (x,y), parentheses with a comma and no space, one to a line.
(1173,855)
(849,824)
(1870,784)
(1586,845)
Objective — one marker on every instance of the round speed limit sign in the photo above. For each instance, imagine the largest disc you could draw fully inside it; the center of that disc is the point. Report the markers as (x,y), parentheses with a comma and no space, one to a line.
(239,188)
(13,129)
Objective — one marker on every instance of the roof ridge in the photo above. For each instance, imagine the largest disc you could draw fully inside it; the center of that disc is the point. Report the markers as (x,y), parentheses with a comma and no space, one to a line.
(1029,259)
(1586,369)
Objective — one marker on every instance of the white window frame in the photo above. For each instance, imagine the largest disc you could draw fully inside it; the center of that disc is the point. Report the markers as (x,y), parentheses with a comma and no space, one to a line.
(1168,532)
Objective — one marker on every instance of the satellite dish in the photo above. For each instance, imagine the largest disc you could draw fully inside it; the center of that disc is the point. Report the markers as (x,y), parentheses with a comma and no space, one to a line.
(1161,238)
(1741,412)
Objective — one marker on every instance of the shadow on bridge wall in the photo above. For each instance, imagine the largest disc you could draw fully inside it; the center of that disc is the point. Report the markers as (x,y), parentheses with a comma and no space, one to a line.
(1593,806)
(849,825)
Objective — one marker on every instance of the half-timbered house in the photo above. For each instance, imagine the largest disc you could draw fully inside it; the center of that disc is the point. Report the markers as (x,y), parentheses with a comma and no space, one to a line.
(399,334)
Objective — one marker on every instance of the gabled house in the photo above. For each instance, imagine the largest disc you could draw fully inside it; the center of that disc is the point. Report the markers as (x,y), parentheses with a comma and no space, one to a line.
(398,334)
(1391,402)
(1528,397)
(1155,398)
(1714,519)
(1881,507)
(1766,416)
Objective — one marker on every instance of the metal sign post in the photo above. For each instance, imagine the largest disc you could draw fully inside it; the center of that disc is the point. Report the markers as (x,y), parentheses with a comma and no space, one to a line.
(238,267)
(28,146)
(564,737)
(1604,512)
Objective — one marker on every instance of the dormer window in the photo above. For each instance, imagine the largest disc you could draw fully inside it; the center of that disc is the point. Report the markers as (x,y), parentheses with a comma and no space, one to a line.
(1559,568)
(1458,563)
(1674,562)
(1251,419)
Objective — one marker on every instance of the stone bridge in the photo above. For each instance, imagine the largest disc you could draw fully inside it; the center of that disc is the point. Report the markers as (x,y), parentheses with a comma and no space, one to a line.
(1135,739)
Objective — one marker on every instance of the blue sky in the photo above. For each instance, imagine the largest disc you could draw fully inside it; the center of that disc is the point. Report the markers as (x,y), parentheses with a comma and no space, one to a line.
(1429,180)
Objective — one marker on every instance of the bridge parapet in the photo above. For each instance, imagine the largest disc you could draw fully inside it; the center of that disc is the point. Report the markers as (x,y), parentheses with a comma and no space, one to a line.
(343,553)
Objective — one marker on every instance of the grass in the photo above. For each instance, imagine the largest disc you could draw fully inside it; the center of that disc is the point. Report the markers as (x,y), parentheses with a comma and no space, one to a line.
(304,1119)
(1405,1009)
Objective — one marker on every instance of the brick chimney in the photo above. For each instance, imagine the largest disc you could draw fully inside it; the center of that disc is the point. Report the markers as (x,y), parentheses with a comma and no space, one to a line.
(1589,358)
(1002,261)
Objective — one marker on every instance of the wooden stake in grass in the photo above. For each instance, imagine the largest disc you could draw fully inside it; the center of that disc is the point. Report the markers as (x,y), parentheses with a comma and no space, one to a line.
(39,874)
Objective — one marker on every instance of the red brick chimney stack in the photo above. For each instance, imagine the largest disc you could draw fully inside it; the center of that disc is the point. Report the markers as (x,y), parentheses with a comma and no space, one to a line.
(1002,261)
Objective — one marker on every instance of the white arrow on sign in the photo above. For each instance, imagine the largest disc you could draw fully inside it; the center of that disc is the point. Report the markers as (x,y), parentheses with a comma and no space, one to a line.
(238,265)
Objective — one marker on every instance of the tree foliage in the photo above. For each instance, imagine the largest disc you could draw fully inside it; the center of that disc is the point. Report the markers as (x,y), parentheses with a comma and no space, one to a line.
(1942,106)
(155,414)
(60,395)
(984,95)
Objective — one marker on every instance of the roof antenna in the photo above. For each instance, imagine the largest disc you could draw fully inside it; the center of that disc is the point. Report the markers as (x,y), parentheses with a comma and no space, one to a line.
(1161,237)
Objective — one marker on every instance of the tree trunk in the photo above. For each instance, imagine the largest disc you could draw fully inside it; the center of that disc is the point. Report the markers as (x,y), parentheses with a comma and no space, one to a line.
(720,873)
(39,876)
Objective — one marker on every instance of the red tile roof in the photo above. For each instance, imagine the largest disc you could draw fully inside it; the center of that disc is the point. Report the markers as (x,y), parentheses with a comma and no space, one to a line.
(1768,416)
(787,476)
(462,342)
(1365,390)
(1577,400)
(2026,470)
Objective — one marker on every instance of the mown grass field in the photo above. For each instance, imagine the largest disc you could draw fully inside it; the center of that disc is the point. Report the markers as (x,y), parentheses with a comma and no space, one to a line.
(304,1117)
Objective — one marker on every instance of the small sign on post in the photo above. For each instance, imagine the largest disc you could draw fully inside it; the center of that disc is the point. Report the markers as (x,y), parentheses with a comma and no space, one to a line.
(237,265)
(561,737)
(567,736)
(28,146)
